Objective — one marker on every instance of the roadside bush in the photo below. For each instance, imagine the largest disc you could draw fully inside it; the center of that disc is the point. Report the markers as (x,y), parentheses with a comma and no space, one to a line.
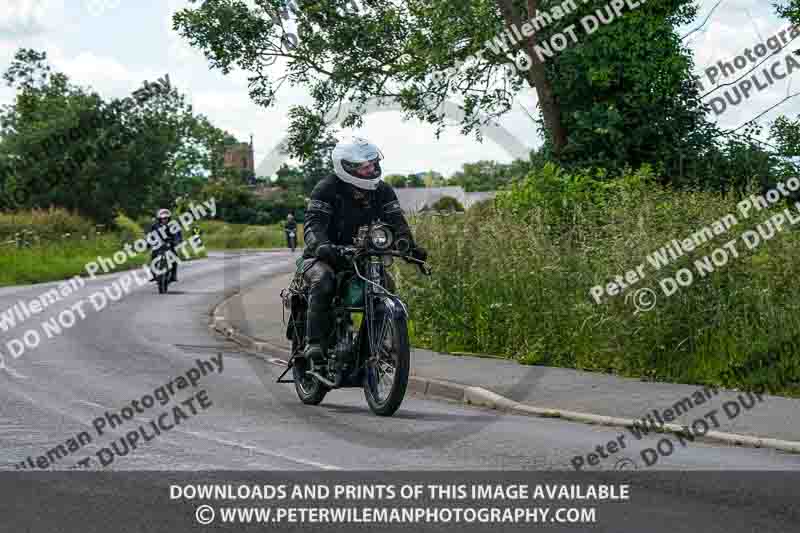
(482,209)
(129,230)
(221,235)
(517,283)
(447,203)
(45,224)
(237,204)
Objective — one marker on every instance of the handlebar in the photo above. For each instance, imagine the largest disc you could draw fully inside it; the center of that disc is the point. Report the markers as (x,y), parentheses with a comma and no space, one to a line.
(424,267)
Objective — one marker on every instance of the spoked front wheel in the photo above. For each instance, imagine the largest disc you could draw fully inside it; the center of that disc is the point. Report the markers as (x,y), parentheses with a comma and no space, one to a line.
(163,283)
(162,277)
(386,376)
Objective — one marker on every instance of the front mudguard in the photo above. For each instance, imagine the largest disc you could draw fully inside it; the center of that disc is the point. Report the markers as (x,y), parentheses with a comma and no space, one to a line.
(387,308)
(393,307)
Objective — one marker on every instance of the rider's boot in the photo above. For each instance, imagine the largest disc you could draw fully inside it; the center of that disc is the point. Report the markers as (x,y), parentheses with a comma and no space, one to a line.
(317,328)
(313,352)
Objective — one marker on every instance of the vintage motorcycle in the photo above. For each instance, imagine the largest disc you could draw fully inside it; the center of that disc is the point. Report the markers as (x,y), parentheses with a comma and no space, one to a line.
(373,355)
(162,269)
(292,237)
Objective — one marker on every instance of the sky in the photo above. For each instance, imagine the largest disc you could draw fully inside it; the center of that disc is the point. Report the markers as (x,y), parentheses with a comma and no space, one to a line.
(115,45)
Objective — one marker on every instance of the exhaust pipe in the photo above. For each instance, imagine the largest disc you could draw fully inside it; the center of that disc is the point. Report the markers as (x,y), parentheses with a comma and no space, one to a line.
(323,380)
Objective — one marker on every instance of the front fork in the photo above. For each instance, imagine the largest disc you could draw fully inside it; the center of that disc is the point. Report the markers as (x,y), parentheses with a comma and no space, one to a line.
(373,318)
(380,308)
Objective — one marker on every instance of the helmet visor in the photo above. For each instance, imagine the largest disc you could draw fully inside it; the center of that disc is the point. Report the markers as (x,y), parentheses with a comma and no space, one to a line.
(370,169)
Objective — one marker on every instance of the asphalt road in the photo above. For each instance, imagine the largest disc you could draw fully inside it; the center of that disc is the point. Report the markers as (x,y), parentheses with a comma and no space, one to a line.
(144,341)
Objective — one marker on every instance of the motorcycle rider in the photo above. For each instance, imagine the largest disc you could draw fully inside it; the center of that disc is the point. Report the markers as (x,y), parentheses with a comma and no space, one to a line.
(196,233)
(170,238)
(339,205)
(290,226)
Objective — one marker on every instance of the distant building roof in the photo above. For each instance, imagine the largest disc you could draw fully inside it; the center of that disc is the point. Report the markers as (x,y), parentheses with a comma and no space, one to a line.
(413,200)
(423,174)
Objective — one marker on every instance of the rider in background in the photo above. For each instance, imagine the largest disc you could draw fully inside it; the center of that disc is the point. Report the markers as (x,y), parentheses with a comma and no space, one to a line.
(171,237)
(355,196)
(196,233)
(290,226)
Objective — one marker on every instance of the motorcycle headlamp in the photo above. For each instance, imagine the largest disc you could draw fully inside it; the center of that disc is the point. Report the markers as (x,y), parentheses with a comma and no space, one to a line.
(381,238)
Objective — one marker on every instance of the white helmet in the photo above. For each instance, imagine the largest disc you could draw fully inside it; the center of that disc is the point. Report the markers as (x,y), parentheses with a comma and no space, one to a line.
(163,213)
(349,155)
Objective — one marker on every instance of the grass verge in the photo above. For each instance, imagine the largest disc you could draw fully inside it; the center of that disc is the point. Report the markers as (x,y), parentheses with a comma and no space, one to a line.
(42,246)
(223,236)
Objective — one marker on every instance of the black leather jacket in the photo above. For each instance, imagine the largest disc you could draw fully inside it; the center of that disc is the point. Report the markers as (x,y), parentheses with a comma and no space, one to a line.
(172,239)
(333,214)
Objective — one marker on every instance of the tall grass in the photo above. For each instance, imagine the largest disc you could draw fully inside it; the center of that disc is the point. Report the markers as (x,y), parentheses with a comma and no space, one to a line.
(52,261)
(222,235)
(44,225)
(515,280)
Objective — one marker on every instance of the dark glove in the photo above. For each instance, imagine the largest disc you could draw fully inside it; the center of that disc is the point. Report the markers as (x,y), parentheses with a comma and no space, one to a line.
(329,253)
(419,253)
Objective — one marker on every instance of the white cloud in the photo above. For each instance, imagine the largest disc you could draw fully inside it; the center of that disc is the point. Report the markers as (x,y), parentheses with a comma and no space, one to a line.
(103,73)
(29,17)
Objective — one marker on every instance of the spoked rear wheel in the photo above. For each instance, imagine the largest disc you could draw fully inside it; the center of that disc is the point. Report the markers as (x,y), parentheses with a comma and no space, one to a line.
(386,378)
(309,389)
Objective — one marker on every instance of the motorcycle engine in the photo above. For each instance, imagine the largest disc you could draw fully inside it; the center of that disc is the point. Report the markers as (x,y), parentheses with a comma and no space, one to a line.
(343,351)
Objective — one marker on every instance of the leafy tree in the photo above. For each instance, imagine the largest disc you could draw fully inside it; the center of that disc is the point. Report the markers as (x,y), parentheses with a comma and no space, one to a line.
(410,181)
(65,146)
(317,165)
(398,181)
(788,9)
(415,181)
(289,177)
(612,98)
(389,49)
(626,101)
(235,202)
(433,179)
(483,176)
(786,133)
